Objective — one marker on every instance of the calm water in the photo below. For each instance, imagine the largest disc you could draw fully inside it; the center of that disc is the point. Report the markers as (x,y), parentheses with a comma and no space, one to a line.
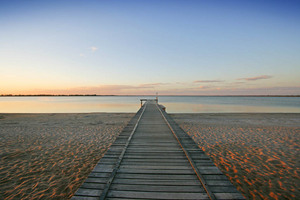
(177,104)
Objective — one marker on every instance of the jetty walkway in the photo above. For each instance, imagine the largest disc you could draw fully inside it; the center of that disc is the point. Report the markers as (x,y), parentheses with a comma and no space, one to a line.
(153,158)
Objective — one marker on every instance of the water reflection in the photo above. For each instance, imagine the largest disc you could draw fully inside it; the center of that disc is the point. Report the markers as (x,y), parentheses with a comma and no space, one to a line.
(132,104)
(215,108)
(63,107)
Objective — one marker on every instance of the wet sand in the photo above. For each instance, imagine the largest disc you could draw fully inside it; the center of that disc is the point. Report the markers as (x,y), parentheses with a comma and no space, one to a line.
(259,153)
(47,156)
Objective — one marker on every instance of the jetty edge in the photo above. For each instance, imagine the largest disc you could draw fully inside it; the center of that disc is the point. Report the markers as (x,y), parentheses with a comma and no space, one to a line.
(153,158)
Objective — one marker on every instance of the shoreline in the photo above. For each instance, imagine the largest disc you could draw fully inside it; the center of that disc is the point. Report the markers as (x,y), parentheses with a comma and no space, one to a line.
(95,95)
(170,113)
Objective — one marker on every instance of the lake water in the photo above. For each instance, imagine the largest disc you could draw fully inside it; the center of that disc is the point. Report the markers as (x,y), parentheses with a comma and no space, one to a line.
(174,104)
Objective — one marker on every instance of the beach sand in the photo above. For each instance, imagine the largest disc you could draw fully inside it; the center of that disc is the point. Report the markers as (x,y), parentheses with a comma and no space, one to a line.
(259,153)
(47,156)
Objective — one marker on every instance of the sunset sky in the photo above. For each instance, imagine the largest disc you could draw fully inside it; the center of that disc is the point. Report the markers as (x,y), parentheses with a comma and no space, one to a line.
(142,47)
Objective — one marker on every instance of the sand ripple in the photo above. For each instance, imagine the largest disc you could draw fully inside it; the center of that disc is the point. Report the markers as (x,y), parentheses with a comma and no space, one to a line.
(47,156)
(261,159)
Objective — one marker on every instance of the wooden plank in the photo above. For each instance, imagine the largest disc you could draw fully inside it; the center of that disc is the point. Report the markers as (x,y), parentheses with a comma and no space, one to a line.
(154,151)
(210,171)
(88,192)
(157,181)
(224,182)
(155,156)
(156,167)
(146,162)
(148,144)
(153,171)
(223,189)
(158,164)
(116,198)
(156,161)
(104,170)
(84,198)
(156,188)
(98,175)
(227,196)
(96,180)
(157,195)
(169,177)
(154,147)
(96,186)
(215,177)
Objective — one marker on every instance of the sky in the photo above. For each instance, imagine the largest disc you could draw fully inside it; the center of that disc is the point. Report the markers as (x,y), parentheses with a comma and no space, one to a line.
(173,47)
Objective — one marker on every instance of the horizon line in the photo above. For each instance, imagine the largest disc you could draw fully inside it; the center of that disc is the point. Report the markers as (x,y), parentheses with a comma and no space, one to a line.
(72,95)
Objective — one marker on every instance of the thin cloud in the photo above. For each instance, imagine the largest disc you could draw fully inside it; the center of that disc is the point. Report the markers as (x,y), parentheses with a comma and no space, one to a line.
(101,89)
(181,83)
(203,87)
(151,85)
(136,90)
(256,78)
(208,81)
(238,82)
(93,49)
(82,55)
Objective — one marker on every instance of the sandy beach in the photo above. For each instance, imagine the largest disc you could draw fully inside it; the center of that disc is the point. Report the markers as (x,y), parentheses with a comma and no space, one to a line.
(259,153)
(47,156)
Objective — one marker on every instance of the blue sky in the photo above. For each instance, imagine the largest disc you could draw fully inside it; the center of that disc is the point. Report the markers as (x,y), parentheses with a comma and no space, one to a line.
(142,47)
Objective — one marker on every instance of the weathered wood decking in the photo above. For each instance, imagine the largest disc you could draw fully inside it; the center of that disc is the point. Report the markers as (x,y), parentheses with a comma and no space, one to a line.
(155,159)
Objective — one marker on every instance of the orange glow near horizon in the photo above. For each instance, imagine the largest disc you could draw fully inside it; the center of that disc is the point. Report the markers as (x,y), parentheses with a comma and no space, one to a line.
(149,89)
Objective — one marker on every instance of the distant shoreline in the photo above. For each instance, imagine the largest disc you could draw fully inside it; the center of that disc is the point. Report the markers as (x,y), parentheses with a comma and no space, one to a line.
(95,95)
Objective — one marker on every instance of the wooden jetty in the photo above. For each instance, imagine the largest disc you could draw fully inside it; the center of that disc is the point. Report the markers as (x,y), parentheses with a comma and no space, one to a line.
(153,158)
